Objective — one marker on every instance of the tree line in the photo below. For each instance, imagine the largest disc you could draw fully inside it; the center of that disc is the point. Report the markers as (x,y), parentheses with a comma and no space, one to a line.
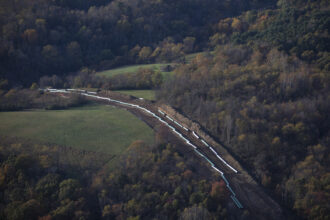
(144,78)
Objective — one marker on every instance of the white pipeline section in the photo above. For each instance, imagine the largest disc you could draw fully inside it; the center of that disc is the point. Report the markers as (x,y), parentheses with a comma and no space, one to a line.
(238,204)
(161,112)
(206,144)
(196,136)
(169,118)
(214,152)
(175,122)
(230,167)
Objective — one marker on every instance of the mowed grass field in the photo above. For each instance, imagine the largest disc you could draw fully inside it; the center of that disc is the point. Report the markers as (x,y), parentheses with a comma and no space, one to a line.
(96,128)
(146,94)
(154,66)
(132,69)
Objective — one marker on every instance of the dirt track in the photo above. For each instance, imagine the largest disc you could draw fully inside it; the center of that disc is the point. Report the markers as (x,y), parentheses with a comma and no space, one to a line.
(248,192)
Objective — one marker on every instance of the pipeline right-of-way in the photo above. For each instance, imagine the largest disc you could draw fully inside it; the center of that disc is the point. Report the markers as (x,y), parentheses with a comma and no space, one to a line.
(93,95)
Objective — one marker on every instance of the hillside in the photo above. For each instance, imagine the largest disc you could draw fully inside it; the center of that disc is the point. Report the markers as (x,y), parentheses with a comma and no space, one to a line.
(265,102)
(58,37)
(133,69)
(251,77)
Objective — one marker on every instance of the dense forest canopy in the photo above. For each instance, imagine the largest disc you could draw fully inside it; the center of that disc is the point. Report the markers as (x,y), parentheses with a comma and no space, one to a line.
(43,37)
(264,92)
(275,118)
(41,181)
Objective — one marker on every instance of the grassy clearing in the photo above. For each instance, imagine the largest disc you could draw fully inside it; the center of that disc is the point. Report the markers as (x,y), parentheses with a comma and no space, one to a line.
(96,128)
(132,69)
(154,66)
(89,89)
(146,94)
(192,56)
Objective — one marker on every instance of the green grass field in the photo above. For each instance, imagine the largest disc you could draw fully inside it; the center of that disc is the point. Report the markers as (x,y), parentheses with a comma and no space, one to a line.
(132,69)
(96,128)
(146,94)
(135,68)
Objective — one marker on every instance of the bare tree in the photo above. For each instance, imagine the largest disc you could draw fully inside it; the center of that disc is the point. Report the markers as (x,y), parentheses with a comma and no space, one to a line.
(228,127)
(195,213)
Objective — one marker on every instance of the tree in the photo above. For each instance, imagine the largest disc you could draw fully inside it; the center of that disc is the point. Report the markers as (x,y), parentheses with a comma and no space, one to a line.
(31,36)
(218,191)
(237,25)
(134,52)
(69,188)
(74,54)
(34,86)
(217,39)
(195,213)
(48,185)
(228,123)
(144,54)
(157,79)
(3,84)
(188,44)
(195,198)
(50,54)
(41,24)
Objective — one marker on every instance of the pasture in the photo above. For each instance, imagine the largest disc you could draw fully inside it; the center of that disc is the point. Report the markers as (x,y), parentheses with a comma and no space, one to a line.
(96,128)
(146,94)
(133,69)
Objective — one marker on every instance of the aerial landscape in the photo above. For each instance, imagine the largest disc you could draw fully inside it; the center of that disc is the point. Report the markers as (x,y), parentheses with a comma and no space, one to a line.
(163,109)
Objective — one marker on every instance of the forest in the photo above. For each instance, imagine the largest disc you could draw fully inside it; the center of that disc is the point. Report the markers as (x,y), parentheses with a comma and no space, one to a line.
(45,37)
(259,85)
(267,103)
(274,119)
(41,181)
